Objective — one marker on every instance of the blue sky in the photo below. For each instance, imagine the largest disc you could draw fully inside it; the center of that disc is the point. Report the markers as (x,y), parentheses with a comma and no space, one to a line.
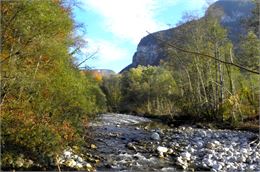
(115,27)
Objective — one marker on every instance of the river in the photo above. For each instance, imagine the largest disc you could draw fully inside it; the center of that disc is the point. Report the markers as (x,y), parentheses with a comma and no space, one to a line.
(119,142)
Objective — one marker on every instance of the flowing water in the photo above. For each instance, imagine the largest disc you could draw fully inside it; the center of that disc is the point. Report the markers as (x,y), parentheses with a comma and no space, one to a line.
(129,143)
(124,143)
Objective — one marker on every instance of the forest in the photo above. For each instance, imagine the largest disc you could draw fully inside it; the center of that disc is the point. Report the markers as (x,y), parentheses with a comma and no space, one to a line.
(47,102)
(206,77)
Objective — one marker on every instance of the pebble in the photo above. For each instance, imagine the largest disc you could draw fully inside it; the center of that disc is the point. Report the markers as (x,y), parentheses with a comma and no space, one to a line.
(182,163)
(93,146)
(79,165)
(89,166)
(71,163)
(186,156)
(199,144)
(67,154)
(131,146)
(170,151)
(210,146)
(166,169)
(212,149)
(155,136)
(218,150)
(162,150)
(19,162)
(203,133)
(217,167)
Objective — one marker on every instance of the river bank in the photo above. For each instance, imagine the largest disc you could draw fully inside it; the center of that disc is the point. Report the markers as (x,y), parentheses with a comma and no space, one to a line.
(197,122)
(124,142)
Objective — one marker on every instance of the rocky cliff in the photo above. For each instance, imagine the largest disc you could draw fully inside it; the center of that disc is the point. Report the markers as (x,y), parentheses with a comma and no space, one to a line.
(230,12)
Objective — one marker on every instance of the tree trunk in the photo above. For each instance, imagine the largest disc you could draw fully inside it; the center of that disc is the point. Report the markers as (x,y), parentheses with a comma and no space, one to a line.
(201,80)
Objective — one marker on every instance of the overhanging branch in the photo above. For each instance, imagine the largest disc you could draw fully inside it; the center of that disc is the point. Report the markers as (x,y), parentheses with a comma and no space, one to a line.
(87,58)
(204,55)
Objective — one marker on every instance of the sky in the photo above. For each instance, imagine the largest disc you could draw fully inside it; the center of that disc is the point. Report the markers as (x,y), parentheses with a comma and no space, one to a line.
(115,27)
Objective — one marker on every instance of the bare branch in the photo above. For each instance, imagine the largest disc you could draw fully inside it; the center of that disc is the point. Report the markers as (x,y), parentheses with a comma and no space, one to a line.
(203,55)
(87,58)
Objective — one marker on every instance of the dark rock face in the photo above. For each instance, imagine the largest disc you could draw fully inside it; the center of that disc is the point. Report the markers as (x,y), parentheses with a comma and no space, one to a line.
(151,51)
(230,12)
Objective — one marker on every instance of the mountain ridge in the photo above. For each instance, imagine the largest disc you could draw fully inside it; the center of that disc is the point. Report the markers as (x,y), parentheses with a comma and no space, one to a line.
(230,13)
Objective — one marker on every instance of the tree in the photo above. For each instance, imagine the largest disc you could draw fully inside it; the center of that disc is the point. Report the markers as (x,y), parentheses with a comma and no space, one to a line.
(44,98)
(249,54)
(148,90)
(253,22)
(208,83)
(111,86)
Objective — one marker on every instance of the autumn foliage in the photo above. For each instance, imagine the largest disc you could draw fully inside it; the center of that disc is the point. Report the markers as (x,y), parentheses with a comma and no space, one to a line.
(45,101)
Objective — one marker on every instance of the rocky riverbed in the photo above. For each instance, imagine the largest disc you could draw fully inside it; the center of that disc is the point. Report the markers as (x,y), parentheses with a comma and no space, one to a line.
(120,142)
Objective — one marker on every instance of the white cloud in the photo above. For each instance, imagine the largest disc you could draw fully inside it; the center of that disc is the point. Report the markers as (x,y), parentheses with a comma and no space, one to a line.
(129,19)
(107,52)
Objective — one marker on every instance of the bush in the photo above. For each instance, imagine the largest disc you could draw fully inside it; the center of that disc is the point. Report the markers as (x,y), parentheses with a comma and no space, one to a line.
(45,101)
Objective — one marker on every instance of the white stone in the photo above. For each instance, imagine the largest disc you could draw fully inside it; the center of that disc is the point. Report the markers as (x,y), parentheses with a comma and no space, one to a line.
(80,159)
(210,151)
(19,163)
(67,154)
(216,135)
(209,156)
(243,151)
(225,149)
(177,145)
(186,155)
(204,164)
(167,169)
(242,158)
(182,162)
(88,165)
(179,159)
(230,153)
(203,133)
(208,162)
(217,167)
(30,162)
(162,149)
(217,143)
(191,149)
(75,156)
(170,151)
(240,167)
(200,144)
(71,163)
(252,167)
(155,136)
(79,165)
